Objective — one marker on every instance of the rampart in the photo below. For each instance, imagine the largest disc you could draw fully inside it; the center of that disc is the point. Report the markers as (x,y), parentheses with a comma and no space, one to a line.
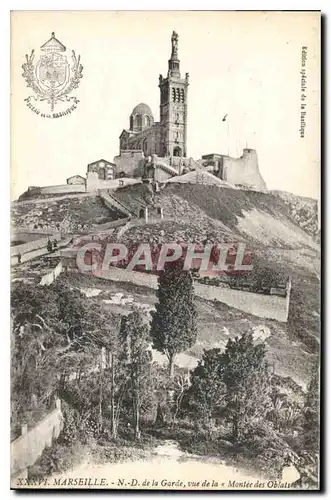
(130,163)
(243,171)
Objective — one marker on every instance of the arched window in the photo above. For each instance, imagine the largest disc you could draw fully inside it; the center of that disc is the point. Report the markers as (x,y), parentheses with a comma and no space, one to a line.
(147,121)
(137,121)
(177,151)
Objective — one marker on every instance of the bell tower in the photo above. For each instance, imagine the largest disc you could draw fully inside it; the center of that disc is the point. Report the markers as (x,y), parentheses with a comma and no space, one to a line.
(173,106)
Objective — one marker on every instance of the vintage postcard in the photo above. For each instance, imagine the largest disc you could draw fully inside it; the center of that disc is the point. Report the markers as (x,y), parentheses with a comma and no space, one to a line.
(165,250)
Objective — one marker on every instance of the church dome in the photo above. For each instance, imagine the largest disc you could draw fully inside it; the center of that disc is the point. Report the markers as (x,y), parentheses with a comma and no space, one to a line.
(141,118)
(142,109)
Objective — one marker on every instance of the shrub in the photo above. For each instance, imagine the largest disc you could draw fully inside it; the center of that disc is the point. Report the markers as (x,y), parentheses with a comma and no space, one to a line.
(58,458)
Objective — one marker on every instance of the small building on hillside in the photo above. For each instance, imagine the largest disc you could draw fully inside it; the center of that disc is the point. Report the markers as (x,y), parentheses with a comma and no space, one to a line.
(76,180)
(105,169)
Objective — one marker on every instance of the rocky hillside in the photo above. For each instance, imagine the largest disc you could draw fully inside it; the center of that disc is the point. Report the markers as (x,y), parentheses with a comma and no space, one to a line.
(199,213)
(275,232)
(279,230)
(65,214)
(303,211)
(257,216)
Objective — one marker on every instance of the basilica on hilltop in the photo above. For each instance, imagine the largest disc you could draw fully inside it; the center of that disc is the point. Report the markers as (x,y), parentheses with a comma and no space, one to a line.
(166,137)
(156,151)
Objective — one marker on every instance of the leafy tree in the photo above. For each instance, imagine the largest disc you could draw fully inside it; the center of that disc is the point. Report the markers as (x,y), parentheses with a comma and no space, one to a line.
(246,378)
(234,385)
(57,334)
(136,351)
(174,327)
(94,334)
(33,314)
(206,393)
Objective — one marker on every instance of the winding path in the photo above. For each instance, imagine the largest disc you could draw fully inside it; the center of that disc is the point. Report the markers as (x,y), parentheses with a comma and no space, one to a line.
(167,467)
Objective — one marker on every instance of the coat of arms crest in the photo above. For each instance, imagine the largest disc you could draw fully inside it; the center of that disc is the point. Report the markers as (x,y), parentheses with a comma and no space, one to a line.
(52,78)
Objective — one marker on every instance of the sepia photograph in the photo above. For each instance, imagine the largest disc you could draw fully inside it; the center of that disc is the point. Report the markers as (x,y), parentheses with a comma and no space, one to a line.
(165,250)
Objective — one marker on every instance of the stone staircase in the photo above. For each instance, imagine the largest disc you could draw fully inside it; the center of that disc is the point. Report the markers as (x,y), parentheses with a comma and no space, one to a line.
(113,204)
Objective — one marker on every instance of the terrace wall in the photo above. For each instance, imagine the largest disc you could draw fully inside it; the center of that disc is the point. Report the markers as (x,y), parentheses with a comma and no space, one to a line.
(260,305)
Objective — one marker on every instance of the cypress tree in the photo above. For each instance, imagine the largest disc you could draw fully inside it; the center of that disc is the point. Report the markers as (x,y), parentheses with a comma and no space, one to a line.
(174,323)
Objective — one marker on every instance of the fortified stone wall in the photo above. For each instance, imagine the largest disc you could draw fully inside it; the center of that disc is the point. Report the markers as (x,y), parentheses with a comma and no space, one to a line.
(130,163)
(244,170)
(116,183)
(94,184)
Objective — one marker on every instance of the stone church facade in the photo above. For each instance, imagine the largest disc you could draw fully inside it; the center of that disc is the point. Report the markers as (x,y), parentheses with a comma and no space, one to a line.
(168,137)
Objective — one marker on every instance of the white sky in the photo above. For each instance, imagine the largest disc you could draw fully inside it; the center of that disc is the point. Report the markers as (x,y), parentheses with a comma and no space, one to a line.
(244,64)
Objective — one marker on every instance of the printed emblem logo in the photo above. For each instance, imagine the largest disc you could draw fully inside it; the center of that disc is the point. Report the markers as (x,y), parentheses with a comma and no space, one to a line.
(52,79)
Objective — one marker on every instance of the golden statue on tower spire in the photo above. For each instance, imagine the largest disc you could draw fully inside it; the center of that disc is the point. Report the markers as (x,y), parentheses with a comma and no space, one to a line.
(174,44)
